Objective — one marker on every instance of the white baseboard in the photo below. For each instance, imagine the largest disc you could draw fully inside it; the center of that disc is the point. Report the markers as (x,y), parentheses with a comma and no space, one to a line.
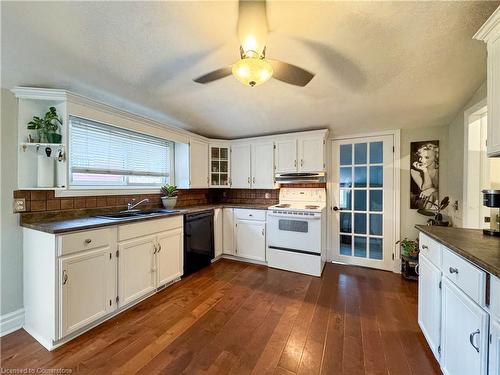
(11,322)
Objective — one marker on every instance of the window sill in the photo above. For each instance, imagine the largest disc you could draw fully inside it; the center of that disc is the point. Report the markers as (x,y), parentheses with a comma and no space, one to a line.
(92,191)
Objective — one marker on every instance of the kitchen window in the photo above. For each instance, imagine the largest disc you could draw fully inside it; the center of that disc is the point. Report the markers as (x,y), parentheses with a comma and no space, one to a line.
(107,156)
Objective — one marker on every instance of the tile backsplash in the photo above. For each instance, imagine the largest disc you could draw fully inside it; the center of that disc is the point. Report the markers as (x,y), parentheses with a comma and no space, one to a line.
(38,201)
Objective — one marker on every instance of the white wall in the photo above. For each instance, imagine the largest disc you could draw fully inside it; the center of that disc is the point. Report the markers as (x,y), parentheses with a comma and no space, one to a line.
(456,155)
(409,217)
(11,276)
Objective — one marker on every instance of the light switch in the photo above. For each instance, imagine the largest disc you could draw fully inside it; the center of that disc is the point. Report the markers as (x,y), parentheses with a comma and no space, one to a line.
(19,205)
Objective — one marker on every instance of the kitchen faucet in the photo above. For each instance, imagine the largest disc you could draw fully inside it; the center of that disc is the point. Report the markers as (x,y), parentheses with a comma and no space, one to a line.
(131,205)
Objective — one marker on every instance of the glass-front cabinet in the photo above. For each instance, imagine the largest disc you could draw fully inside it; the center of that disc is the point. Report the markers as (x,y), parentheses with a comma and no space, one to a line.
(219,165)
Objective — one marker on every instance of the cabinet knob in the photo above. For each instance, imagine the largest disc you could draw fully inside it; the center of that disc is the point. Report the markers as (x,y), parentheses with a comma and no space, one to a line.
(301,162)
(159,247)
(453,270)
(425,247)
(88,240)
(65,277)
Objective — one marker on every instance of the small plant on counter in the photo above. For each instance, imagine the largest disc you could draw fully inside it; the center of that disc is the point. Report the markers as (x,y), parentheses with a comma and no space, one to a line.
(409,248)
(47,126)
(169,198)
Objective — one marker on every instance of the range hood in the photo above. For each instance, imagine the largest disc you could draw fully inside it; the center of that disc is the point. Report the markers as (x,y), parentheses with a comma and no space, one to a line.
(300,178)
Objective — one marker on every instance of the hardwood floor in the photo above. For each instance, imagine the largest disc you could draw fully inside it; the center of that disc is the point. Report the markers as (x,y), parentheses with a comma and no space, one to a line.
(237,318)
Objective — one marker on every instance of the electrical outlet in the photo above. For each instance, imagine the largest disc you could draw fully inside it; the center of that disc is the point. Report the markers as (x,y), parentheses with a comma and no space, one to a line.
(267,195)
(19,205)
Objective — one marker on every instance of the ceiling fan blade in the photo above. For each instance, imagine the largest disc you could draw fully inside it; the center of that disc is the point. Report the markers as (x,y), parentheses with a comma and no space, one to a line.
(290,73)
(215,75)
(252,25)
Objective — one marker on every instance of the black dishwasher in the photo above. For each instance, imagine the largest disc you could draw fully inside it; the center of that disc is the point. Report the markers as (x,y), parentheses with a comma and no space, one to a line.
(198,240)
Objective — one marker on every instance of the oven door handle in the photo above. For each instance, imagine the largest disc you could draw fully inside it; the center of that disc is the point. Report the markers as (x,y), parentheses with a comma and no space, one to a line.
(297,217)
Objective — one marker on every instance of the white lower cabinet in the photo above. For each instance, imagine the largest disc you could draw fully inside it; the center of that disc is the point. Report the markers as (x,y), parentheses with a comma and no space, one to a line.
(218,231)
(494,365)
(228,231)
(429,303)
(464,333)
(88,288)
(251,239)
(169,256)
(136,272)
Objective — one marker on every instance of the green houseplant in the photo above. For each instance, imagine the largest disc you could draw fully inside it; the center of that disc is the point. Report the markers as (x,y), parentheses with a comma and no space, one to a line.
(409,248)
(169,195)
(47,126)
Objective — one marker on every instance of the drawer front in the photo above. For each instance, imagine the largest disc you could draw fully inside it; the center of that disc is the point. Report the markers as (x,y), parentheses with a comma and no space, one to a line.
(495,298)
(85,240)
(145,228)
(466,276)
(246,214)
(431,249)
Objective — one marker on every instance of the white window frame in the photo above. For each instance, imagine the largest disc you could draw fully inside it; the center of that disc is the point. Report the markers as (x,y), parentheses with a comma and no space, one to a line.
(118,189)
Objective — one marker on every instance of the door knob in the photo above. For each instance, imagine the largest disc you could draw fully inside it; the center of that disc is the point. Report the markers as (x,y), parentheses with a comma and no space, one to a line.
(335,208)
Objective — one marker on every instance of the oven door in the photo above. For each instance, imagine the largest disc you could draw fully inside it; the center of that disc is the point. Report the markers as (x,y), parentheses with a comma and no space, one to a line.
(293,232)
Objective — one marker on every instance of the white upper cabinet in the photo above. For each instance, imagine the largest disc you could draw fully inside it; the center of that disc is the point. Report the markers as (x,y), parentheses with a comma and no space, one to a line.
(490,33)
(219,165)
(304,153)
(252,165)
(263,165)
(241,166)
(311,154)
(286,156)
(198,164)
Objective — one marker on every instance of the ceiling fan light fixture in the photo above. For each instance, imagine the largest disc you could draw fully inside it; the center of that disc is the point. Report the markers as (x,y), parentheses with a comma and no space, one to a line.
(252,71)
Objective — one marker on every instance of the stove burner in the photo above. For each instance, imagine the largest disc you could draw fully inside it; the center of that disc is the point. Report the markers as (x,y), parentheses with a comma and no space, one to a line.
(283,205)
(311,207)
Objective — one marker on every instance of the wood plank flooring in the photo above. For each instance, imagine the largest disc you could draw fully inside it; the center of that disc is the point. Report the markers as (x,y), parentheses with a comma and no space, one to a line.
(238,318)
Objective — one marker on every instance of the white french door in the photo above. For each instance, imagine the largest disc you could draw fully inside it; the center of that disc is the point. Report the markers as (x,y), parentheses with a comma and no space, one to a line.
(363,201)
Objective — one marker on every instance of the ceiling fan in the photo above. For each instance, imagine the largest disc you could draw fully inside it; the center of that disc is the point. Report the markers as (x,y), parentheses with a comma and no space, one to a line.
(254,68)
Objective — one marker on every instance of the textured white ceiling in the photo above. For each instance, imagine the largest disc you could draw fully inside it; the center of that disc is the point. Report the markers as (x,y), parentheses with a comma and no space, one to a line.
(378,65)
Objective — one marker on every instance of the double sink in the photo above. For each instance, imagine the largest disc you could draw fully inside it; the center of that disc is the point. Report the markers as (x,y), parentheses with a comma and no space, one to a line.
(123,215)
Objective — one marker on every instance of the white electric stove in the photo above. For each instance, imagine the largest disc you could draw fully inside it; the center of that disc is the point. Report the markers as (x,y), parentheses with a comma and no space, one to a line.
(296,231)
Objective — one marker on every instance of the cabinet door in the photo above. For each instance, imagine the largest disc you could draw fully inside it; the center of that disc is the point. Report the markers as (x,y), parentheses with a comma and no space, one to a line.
(136,272)
(464,333)
(251,239)
(286,156)
(240,166)
(219,165)
(218,223)
(429,303)
(494,367)
(311,154)
(88,288)
(169,256)
(198,164)
(493,145)
(228,231)
(263,165)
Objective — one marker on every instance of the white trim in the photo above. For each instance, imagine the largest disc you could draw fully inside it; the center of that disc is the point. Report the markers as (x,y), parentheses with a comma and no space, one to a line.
(484,32)
(396,268)
(11,322)
(105,191)
(478,107)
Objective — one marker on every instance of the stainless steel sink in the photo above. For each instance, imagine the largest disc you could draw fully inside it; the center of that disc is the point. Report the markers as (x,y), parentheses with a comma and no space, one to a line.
(122,215)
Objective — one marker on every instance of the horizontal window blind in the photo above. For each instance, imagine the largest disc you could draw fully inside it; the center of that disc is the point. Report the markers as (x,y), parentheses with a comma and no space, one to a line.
(101,149)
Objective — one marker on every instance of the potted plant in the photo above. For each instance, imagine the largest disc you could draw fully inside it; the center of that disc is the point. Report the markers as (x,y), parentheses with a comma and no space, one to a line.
(169,198)
(47,126)
(409,258)
(436,212)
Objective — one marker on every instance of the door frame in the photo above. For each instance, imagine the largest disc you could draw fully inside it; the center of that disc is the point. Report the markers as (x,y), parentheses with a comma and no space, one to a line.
(396,263)
(475,111)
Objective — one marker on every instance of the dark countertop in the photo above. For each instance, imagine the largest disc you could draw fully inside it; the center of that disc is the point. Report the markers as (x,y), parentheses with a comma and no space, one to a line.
(81,223)
(479,249)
